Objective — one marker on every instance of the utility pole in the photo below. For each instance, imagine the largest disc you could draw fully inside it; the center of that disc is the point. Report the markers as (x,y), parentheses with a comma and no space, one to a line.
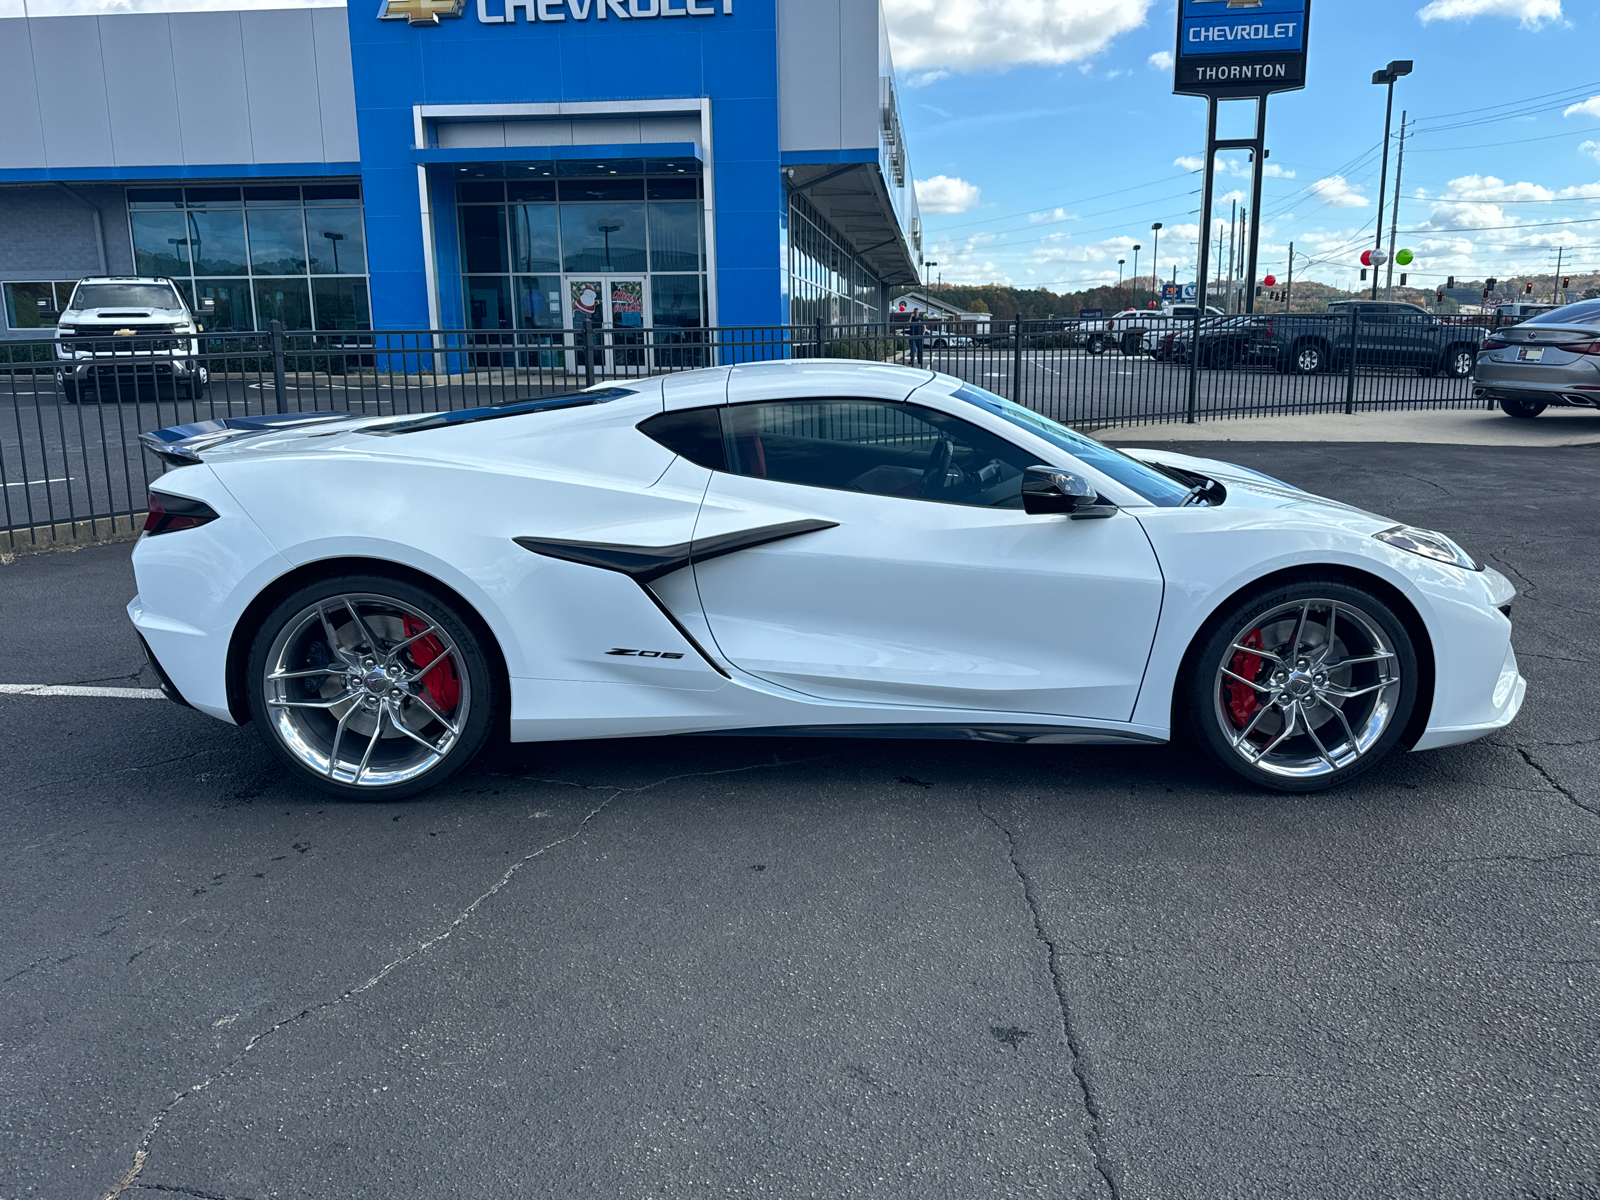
(1155,259)
(1233,225)
(1244,223)
(1394,215)
(1288,291)
(1555,284)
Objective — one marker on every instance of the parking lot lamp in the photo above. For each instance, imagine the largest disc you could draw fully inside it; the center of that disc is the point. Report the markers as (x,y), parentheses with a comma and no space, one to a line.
(1155,258)
(1397,69)
(335,238)
(1133,280)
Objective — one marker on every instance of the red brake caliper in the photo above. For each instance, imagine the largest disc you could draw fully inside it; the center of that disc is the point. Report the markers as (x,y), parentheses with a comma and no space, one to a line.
(1242,703)
(443,686)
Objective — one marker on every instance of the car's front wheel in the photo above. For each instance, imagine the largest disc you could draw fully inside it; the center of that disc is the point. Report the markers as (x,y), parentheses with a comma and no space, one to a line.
(1308,358)
(1302,686)
(369,687)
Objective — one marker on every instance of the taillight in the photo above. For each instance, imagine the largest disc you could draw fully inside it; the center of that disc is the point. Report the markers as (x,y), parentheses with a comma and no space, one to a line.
(1586,348)
(169,512)
(1494,343)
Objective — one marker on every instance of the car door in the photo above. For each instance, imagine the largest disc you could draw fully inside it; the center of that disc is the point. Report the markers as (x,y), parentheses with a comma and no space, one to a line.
(932,587)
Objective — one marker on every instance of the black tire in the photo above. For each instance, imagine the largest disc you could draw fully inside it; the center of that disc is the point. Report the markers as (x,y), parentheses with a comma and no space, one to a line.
(1132,343)
(386,600)
(1459,362)
(197,386)
(69,391)
(1308,358)
(1097,345)
(1216,708)
(1523,409)
(1218,358)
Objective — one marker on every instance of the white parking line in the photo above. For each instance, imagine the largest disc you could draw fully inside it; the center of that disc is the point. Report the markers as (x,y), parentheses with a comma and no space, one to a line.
(36,482)
(63,689)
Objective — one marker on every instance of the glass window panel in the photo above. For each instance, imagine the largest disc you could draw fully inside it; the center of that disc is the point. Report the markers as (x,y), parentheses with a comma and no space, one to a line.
(677,187)
(286,300)
(535,237)
(676,300)
(483,239)
(488,302)
(216,241)
(603,237)
(675,237)
(275,196)
(155,198)
(338,241)
(23,307)
(160,243)
(341,303)
(277,242)
(532,190)
(332,192)
(232,314)
(583,190)
(210,196)
(539,302)
(481,193)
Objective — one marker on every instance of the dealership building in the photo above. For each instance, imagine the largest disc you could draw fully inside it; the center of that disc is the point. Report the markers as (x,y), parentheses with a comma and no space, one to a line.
(462,164)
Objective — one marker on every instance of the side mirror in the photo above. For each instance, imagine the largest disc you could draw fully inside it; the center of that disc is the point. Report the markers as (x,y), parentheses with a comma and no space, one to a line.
(208,305)
(1052,490)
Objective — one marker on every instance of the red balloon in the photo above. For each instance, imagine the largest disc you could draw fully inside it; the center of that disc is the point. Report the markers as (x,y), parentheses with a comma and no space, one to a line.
(1366,258)
(1271,281)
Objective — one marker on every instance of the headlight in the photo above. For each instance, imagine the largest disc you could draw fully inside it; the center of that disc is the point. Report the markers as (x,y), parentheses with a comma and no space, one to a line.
(1428,544)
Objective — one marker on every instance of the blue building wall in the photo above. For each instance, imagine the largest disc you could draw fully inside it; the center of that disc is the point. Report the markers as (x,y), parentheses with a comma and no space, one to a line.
(731,58)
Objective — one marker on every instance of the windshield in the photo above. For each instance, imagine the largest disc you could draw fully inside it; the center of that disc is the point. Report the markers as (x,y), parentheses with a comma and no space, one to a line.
(125,295)
(1572,314)
(1161,490)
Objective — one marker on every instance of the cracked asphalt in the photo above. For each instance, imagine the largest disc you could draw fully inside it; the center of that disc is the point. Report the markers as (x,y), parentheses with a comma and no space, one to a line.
(735,967)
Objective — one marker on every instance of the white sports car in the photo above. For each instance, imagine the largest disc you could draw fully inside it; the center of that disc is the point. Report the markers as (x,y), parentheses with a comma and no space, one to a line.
(793,547)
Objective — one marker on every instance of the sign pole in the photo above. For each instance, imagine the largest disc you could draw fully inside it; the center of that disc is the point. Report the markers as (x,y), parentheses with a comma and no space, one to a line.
(1203,267)
(1259,155)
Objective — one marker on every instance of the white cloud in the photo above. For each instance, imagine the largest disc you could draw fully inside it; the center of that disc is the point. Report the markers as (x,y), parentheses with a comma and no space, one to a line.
(920,79)
(1592,149)
(974,35)
(945,194)
(1274,171)
(1161,60)
(1054,214)
(1532,13)
(1335,190)
(1589,108)
(73,8)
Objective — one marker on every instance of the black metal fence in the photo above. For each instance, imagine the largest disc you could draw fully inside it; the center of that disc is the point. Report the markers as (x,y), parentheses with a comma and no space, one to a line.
(71,466)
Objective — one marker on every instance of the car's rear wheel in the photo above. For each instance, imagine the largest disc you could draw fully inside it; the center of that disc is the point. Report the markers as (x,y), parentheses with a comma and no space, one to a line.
(1308,358)
(69,391)
(1526,409)
(1097,345)
(1132,343)
(370,688)
(1303,686)
(1459,362)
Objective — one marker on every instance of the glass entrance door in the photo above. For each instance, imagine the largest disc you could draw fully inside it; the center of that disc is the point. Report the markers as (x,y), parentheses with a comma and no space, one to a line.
(617,308)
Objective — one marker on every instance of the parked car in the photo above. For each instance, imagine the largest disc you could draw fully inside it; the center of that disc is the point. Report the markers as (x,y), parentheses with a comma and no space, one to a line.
(1387,334)
(1129,329)
(123,331)
(824,547)
(1549,360)
(1226,342)
(944,341)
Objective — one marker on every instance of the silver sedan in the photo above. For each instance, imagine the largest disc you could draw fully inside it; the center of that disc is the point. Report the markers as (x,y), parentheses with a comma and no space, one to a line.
(1552,359)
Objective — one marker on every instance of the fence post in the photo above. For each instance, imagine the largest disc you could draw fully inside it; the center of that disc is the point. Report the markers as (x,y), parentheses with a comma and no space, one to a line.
(1016,364)
(1194,362)
(276,329)
(818,352)
(588,354)
(1350,377)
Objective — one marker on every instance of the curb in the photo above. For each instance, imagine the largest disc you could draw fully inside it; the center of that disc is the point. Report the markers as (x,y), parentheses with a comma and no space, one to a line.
(69,535)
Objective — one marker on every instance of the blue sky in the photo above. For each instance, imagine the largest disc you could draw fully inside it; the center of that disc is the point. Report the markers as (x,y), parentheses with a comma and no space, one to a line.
(1046,139)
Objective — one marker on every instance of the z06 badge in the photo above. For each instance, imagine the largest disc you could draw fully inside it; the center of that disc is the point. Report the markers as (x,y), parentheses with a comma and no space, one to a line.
(646,653)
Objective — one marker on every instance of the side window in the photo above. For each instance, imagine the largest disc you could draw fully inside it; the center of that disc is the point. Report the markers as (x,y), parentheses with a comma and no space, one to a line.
(877,447)
(695,433)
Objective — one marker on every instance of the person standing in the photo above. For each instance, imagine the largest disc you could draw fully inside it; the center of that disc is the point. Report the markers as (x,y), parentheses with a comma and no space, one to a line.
(916,331)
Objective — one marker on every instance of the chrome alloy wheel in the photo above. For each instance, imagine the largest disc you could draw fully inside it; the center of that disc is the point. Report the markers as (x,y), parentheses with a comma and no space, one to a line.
(1308,688)
(366,690)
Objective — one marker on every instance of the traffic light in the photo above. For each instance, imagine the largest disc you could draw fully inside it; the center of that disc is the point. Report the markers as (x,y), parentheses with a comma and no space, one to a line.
(1450,283)
(1527,289)
(1566,282)
(1489,284)
(1402,279)
(1363,274)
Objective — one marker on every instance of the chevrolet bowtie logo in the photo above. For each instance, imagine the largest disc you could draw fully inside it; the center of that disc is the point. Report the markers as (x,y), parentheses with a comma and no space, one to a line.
(420,12)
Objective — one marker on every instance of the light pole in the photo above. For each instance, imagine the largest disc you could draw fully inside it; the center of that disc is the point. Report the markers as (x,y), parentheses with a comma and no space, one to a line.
(1397,69)
(1133,280)
(608,230)
(1120,261)
(336,238)
(927,274)
(1155,259)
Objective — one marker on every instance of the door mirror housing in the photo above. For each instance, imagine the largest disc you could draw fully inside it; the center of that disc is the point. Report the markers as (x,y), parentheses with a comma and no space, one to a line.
(208,305)
(1052,490)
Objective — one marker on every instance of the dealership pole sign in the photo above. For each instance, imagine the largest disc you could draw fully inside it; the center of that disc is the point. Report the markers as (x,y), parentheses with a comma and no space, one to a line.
(1238,48)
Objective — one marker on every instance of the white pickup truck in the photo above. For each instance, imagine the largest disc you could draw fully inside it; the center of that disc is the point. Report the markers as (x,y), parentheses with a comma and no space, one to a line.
(120,331)
(1139,330)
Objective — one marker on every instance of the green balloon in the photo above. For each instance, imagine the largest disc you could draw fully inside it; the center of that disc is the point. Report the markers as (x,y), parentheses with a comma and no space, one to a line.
(1403,258)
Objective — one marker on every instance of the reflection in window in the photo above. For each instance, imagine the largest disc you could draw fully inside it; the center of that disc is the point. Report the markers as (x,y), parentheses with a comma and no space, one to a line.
(489,302)
(338,243)
(160,243)
(216,242)
(603,237)
(483,240)
(27,303)
(277,242)
(677,300)
(286,300)
(675,237)
(232,297)
(341,303)
(538,301)
(536,238)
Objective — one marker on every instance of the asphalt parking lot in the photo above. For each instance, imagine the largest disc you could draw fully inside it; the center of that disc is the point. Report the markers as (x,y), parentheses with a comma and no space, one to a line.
(703,967)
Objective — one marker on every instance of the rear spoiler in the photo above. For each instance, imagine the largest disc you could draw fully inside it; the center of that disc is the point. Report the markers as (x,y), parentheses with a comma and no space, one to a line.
(180,445)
